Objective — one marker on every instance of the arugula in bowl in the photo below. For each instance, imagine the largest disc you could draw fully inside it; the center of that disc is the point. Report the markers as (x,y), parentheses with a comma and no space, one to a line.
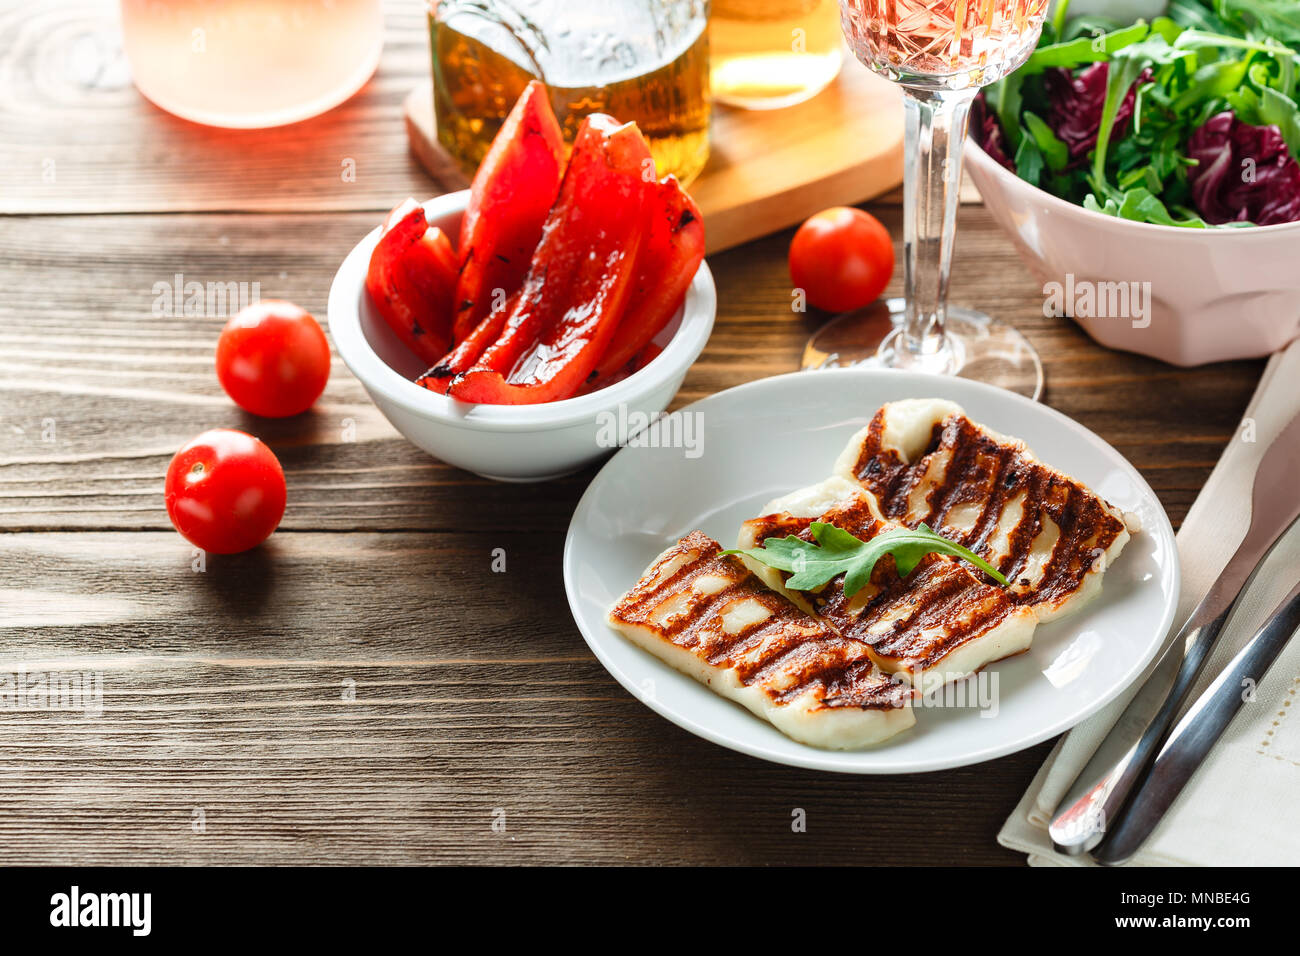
(1189,120)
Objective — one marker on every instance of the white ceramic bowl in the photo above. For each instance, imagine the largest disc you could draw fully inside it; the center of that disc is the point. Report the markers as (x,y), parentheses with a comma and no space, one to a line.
(1214,294)
(507,443)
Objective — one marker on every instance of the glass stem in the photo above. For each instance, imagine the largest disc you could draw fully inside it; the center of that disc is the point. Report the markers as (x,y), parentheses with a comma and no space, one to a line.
(932,146)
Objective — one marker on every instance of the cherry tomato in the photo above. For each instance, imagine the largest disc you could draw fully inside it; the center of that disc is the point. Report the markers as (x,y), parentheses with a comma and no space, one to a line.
(225,491)
(273,359)
(842,258)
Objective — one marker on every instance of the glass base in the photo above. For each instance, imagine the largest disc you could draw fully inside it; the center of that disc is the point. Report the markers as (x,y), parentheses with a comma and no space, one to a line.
(975,347)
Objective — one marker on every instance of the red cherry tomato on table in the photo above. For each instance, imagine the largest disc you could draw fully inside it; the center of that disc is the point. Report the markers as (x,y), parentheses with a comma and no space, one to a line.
(842,258)
(225,491)
(273,359)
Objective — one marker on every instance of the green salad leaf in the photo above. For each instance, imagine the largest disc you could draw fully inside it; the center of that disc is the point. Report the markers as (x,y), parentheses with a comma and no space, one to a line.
(1125,67)
(1277,18)
(1281,111)
(1085,49)
(1195,14)
(1055,153)
(1201,59)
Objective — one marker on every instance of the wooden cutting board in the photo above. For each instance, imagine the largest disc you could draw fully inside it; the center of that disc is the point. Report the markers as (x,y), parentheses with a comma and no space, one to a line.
(768,169)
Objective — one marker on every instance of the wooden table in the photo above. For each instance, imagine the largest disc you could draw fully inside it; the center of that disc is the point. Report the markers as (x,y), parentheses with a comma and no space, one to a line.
(229,733)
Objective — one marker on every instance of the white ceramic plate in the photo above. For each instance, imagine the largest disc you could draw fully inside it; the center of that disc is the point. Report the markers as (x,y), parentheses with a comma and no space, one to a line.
(768,437)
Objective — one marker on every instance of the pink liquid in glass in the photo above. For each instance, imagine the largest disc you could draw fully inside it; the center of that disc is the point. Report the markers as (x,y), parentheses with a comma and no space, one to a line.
(251,63)
(987,38)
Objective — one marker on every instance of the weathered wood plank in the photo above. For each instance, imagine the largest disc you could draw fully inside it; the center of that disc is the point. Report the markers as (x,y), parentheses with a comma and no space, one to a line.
(311,596)
(97,391)
(349,712)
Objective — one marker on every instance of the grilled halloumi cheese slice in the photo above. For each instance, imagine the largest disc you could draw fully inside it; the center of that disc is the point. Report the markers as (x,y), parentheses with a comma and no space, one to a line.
(704,614)
(939,624)
(925,462)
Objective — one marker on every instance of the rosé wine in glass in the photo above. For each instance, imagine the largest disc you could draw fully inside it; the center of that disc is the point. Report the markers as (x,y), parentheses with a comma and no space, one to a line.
(975,38)
(941,52)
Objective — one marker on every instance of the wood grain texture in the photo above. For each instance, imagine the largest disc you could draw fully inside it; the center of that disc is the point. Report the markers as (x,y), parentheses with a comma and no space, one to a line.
(228,693)
(97,391)
(224,690)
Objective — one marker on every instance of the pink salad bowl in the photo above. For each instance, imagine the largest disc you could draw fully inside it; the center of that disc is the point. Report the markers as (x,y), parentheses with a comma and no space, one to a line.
(1185,296)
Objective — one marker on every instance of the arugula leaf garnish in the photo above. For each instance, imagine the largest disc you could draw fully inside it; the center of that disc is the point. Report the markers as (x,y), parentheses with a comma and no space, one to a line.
(837,552)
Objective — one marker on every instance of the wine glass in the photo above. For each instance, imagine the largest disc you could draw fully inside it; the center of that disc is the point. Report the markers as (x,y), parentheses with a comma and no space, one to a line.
(941,52)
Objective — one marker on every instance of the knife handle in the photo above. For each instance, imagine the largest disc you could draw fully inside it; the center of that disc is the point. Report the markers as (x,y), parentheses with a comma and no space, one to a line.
(1197,733)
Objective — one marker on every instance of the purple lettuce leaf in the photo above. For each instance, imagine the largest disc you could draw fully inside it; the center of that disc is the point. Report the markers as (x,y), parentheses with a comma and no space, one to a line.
(988,133)
(1075,104)
(1244,173)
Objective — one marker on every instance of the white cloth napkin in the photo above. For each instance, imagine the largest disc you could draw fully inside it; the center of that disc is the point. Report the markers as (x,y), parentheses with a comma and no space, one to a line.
(1241,807)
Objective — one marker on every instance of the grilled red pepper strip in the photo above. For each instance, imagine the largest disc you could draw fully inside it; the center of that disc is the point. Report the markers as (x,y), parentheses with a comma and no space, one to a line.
(512,192)
(666,264)
(418,318)
(431,265)
(568,254)
(464,355)
(581,277)
(639,361)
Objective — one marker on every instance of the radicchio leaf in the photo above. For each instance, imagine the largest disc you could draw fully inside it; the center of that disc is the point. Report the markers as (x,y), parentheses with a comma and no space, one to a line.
(1244,173)
(1075,102)
(987,132)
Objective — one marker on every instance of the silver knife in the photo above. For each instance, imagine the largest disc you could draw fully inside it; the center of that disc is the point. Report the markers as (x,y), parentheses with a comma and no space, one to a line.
(1106,782)
(1197,732)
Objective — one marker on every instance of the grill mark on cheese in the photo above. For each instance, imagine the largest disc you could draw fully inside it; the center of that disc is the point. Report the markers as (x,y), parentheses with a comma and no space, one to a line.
(939,607)
(788,653)
(984,471)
